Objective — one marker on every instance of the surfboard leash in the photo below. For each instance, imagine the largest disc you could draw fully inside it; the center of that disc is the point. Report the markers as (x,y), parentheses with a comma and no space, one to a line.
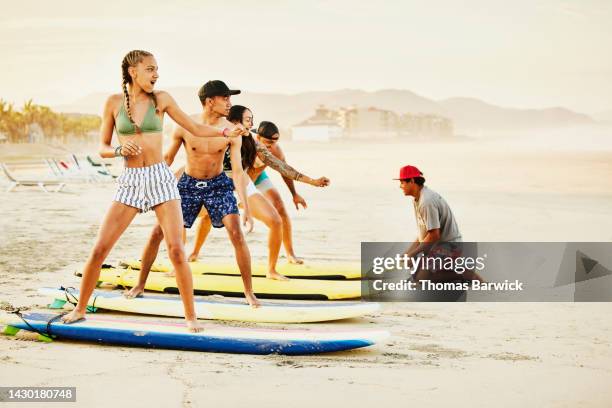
(17,311)
(75,300)
(68,295)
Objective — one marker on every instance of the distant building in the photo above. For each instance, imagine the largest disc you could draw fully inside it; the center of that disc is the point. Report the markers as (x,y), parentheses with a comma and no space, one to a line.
(316,132)
(366,123)
(425,126)
(322,127)
(369,122)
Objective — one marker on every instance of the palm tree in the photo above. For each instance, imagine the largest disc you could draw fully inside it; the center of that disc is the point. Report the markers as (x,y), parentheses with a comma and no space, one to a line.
(15,124)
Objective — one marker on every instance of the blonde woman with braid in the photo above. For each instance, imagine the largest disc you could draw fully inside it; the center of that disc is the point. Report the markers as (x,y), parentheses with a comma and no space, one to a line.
(147,182)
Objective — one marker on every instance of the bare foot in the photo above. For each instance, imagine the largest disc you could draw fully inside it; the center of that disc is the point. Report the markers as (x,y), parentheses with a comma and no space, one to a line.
(73,317)
(276,276)
(295,260)
(136,292)
(193,257)
(252,300)
(193,326)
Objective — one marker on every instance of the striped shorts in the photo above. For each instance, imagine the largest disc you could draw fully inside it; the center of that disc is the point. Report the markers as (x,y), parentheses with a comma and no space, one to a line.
(146,187)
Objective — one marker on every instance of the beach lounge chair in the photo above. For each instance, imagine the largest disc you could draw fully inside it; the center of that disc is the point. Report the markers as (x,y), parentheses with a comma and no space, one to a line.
(93,162)
(102,167)
(53,167)
(71,170)
(68,171)
(40,183)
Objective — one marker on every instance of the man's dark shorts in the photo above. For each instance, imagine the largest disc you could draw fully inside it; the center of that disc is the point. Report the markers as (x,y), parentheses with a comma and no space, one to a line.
(215,194)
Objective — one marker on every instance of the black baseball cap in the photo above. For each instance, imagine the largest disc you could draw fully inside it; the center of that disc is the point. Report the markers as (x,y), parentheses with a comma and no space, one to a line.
(215,88)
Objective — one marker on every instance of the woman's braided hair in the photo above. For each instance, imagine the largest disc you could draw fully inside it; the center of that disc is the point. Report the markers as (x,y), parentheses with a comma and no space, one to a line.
(132,59)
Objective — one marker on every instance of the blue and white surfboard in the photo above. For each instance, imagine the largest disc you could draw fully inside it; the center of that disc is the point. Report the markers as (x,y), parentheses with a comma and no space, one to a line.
(172,334)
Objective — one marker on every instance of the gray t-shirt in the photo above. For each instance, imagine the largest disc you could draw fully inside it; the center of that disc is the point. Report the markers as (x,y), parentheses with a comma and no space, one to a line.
(432,212)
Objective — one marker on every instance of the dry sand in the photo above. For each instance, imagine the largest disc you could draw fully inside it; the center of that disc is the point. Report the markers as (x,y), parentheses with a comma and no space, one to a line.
(439,355)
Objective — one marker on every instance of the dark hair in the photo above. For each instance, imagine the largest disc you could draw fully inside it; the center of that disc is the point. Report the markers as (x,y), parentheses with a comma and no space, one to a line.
(267,129)
(417,180)
(236,112)
(248,151)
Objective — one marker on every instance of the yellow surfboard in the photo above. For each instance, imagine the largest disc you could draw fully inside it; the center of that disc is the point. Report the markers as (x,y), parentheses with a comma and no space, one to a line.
(332,271)
(161,304)
(232,285)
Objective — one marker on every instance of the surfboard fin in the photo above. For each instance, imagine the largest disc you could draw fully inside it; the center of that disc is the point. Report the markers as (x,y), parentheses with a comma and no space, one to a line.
(25,334)
(57,304)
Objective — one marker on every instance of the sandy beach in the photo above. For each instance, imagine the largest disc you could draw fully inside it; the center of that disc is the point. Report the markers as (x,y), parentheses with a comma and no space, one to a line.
(440,354)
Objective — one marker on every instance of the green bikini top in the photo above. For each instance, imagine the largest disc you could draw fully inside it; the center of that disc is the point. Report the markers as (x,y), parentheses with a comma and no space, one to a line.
(150,123)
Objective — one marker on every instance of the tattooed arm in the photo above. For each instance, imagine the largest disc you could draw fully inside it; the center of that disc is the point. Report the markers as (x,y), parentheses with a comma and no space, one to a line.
(285,169)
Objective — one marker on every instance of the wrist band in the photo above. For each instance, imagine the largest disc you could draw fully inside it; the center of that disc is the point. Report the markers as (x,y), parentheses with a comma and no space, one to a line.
(118,151)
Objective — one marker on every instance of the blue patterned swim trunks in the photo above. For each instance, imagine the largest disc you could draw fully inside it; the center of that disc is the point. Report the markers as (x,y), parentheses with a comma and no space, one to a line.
(215,194)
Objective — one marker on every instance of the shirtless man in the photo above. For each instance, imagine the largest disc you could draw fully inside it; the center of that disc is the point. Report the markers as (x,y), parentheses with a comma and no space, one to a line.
(205,184)
(261,207)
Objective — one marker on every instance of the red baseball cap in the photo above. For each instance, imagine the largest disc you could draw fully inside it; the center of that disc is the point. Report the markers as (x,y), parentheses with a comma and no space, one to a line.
(408,172)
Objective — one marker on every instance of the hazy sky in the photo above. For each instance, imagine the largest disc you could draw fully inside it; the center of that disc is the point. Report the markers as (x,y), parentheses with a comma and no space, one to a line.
(532,53)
